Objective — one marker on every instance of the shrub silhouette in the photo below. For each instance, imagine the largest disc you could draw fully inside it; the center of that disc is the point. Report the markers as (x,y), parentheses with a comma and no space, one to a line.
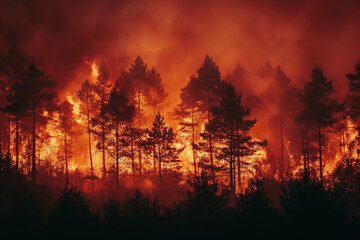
(311,208)
(127,217)
(72,214)
(204,198)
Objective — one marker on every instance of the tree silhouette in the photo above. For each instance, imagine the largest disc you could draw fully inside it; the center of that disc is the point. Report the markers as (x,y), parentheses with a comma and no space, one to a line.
(3,118)
(40,97)
(66,124)
(353,97)
(189,108)
(162,138)
(102,89)
(17,109)
(12,70)
(210,88)
(319,108)
(87,106)
(145,90)
(231,131)
(120,113)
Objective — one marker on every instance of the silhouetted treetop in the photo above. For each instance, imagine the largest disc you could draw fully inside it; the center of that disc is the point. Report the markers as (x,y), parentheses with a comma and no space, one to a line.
(353,98)
(318,104)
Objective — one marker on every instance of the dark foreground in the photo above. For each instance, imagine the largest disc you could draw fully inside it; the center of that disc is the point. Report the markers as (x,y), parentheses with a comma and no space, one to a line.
(304,210)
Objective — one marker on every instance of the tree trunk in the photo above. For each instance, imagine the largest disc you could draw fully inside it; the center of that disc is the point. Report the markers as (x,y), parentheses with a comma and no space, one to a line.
(238,158)
(281,151)
(66,160)
(239,172)
(9,129)
(0,142)
(17,141)
(154,159)
(117,155)
(210,142)
(351,175)
(89,136)
(132,150)
(231,175)
(193,140)
(140,160)
(303,149)
(33,169)
(232,161)
(320,158)
(103,150)
(159,157)
(307,150)
(29,154)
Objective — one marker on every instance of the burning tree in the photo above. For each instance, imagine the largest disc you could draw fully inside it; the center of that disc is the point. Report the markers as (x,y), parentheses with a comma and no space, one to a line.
(162,138)
(87,106)
(206,89)
(102,89)
(189,108)
(145,89)
(319,107)
(66,124)
(231,128)
(120,113)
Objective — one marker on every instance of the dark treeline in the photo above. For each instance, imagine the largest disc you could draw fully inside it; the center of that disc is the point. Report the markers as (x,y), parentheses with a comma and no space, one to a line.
(207,210)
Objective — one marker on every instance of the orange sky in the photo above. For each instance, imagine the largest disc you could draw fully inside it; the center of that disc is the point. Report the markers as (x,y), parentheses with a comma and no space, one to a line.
(174,36)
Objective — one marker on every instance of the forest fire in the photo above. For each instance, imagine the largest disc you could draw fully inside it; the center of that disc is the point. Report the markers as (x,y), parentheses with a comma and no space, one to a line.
(183,113)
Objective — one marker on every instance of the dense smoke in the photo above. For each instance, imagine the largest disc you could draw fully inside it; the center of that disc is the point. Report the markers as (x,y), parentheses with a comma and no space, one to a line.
(174,36)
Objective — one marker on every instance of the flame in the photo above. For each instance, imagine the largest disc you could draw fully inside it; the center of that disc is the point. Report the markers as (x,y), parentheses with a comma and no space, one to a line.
(341,143)
(76,107)
(95,70)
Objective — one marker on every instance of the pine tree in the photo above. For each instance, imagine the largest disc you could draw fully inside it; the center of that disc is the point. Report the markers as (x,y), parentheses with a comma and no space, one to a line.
(39,97)
(16,108)
(353,98)
(319,107)
(145,90)
(231,132)
(12,71)
(187,109)
(163,139)
(210,89)
(120,114)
